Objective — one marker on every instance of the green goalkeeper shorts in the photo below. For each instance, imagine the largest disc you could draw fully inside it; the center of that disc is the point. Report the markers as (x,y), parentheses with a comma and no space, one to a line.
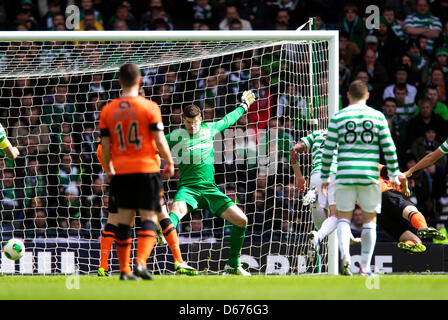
(205,196)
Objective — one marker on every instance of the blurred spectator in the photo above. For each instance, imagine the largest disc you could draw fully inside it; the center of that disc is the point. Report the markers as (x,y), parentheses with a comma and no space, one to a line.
(442,41)
(422,22)
(87,6)
(232,14)
(254,11)
(89,22)
(11,197)
(348,49)
(437,80)
(122,13)
(441,59)
(356,224)
(345,77)
(353,24)
(401,77)
(404,110)
(397,126)
(418,124)
(59,109)
(419,65)
(292,104)
(378,77)
(420,148)
(35,180)
(283,17)
(31,125)
(440,108)
(262,109)
(389,46)
(69,174)
(203,11)
(393,24)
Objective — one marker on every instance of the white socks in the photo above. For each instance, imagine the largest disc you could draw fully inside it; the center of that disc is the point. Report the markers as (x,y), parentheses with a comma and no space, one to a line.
(327,227)
(344,232)
(368,241)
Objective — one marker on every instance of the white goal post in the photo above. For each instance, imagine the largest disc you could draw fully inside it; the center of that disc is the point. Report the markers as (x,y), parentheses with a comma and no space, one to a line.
(43,59)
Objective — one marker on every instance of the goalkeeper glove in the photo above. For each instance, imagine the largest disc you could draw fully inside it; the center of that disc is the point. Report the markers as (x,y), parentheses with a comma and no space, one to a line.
(247,99)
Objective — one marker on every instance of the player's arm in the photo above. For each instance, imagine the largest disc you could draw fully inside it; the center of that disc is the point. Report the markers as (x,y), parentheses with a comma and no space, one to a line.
(164,150)
(107,155)
(10,151)
(328,149)
(294,154)
(229,119)
(429,159)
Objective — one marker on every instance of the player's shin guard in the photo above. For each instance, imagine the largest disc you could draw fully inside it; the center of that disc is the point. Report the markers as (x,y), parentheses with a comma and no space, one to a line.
(174,219)
(170,234)
(368,241)
(123,244)
(236,244)
(344,233)
(146,240)
(107,240)
(417,220)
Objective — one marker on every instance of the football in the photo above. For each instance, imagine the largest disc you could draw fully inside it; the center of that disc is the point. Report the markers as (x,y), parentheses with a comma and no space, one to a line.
(14,249)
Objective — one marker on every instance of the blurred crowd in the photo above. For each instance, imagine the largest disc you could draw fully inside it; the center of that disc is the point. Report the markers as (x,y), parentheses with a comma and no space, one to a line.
(57,187)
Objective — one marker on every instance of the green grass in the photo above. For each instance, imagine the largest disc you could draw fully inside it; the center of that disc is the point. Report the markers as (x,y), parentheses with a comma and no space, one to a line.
(214,287)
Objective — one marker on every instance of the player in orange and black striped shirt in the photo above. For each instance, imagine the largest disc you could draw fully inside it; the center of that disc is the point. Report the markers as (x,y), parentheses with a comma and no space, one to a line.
(132,138)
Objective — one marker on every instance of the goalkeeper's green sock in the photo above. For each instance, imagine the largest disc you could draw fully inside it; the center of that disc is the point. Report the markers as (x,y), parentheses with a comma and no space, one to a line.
(174,219)
(236,243)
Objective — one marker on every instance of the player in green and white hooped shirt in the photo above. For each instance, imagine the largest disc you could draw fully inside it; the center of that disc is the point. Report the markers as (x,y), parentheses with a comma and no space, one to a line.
(323,212)
(192,150)
(10,151)
(358,132)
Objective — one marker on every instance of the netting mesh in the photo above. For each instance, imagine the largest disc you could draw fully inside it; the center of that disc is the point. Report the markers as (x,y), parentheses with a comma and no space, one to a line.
(55,196)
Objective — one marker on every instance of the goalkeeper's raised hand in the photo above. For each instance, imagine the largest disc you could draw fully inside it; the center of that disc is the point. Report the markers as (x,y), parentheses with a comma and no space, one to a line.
(247,99)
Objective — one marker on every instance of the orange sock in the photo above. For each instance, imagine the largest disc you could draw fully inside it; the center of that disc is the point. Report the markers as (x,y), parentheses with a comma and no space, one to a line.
(170,234)
(124,254)
(146,242)
(107,240)
(417,220)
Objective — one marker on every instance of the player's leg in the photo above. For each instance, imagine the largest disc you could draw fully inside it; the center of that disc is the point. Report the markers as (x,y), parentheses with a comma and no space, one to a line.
(108,236)
(178,211)
(238,219)
(418,221)
(345,197)
(123,242)
(410,243)
(369,199)
(146,240)
(171,236)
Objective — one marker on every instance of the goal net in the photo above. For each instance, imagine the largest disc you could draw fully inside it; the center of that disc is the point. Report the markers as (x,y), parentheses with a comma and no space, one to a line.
(54,196)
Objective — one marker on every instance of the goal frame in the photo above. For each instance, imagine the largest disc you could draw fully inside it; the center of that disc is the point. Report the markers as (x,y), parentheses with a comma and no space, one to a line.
(331,36)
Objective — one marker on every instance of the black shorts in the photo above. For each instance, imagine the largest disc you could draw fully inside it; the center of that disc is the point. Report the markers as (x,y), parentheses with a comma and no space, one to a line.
(112,206)
(391,218)
(137,191)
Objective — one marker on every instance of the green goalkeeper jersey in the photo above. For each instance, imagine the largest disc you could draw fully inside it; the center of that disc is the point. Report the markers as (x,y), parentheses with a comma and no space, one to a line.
(194,154)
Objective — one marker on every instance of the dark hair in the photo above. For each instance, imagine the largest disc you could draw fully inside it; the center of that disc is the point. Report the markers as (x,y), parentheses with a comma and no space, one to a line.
(192,111)
(400,86)
(423,101)
(390,99)
(357,90)
(129,74)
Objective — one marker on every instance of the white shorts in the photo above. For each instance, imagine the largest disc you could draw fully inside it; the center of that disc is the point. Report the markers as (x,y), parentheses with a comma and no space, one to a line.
(324,201)
(367,197)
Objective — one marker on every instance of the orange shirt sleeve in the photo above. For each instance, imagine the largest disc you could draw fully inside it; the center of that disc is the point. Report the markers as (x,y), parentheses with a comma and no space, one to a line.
(99,155)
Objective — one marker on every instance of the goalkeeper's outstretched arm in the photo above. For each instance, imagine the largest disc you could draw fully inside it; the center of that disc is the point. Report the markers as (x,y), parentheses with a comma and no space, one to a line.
(247,98)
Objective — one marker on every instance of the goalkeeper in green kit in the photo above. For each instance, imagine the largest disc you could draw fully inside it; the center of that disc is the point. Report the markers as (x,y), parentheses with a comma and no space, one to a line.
(192,149)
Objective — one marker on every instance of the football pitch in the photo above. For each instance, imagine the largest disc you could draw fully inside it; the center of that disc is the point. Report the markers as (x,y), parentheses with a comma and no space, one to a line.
(214,287)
